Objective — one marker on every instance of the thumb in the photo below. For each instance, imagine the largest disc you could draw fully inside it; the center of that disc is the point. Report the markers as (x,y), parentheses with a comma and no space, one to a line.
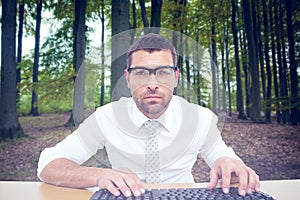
(214,177)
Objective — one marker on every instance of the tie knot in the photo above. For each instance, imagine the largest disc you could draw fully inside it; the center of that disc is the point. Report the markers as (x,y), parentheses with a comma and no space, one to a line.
(152,126)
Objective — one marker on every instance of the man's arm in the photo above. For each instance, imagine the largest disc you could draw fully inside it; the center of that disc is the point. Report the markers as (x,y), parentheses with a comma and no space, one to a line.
(61,165)
(64,172)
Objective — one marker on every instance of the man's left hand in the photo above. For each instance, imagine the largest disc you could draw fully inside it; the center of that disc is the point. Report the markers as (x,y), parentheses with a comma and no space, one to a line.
(226,168)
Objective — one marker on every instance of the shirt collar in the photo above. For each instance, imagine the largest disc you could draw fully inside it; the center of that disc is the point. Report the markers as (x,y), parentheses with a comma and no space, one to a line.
(167,119)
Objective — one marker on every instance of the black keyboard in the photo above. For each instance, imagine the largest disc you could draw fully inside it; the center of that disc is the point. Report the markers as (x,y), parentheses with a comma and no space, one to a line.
(183,194)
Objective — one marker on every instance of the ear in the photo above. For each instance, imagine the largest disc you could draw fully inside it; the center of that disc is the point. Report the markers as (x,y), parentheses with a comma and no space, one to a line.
(177,74)
(126,74)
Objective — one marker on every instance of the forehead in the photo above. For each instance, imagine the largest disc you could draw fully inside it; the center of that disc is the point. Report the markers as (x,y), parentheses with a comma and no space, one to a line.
(154,58)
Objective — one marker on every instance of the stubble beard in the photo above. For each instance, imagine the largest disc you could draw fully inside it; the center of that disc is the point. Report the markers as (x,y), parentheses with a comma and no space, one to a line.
(153,108)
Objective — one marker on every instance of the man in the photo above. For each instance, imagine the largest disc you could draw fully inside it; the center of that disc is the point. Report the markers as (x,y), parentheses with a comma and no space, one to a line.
(182,131)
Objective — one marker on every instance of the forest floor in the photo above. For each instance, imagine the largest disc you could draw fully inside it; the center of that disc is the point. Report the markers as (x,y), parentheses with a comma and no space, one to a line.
(272,150)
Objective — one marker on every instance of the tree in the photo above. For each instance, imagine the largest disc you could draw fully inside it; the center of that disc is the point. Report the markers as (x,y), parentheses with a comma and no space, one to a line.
(20,38)
(293,65)
(79,47)
(239,91)
(252,62)
(120,43)
(156,6)
(9,123)
(34,98)
(274,61)
(102,16)
(267,61)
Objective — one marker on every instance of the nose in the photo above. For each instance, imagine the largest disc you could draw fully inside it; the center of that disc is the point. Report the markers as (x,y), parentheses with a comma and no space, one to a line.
(152,83)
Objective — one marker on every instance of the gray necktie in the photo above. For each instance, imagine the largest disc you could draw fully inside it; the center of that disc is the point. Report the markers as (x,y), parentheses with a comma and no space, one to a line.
(152,164)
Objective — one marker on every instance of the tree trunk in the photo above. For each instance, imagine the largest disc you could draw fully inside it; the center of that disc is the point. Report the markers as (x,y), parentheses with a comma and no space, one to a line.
(281,55)
(213,66)
(239,91)
(133,27)
(188,74)
(293,66)
(273,50)
(79,46)
(35,73)
(253,64)
(102,89)
(284,68)
(9,123)
(223,68)
(268,68)
(120,43)
(144,14)
(198,71)
(245,70)
(156,6)
(19,50)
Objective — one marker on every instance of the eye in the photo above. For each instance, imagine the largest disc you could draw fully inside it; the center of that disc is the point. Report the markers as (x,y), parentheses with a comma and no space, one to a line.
(140,72)
(163,72)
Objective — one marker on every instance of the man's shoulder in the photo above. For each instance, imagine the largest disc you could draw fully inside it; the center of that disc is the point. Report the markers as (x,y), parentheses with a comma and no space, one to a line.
(192,108)
(185,102)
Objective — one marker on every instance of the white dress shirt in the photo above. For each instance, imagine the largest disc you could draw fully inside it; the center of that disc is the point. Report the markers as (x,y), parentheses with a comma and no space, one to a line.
(188,129)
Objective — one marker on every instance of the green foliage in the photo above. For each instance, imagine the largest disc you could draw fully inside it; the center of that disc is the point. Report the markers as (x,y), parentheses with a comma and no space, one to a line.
(54,88)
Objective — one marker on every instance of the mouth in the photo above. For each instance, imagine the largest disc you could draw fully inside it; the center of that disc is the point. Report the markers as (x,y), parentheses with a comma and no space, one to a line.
(152,98)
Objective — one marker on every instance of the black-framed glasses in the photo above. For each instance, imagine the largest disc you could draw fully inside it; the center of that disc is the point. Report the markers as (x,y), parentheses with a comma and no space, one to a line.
(163,74)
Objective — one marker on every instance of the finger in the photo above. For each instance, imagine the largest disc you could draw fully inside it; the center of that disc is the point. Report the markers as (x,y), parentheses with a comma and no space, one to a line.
(243,181)
(134,184)
(257,184)
(112,188)
(226,176)
(252,180)
(214,177)
(123,187)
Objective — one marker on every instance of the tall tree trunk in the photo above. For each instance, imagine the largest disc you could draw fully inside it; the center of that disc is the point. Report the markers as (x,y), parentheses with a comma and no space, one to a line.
(188,74)
(260,47)
(239,91)
(133,26)
(19,50)
(79,46)
(156,6)
(35,73)
(198,71)
(273,50)
(279,61)
(214,66)
(228,81)
(282,62)
(223,69)
(120,43)
(144,15)
(284,66)
(253,64)
(293,66)
(267,61)
(245,70)
(102,91)
(9,123)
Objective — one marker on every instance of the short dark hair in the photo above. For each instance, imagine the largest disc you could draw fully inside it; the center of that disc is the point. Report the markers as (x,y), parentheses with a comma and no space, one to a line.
(151,42)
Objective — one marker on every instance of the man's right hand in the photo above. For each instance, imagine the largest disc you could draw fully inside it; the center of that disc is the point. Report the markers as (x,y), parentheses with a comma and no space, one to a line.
(116,180)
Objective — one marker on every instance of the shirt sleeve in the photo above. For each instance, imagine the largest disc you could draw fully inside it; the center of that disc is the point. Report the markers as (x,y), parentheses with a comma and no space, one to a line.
(214,147)
(78,147)
(71,148)
(219,150)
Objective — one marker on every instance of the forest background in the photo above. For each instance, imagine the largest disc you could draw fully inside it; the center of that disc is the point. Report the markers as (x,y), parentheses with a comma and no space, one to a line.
(245,65)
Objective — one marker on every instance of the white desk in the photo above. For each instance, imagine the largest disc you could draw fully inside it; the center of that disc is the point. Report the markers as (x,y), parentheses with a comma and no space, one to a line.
(14,190)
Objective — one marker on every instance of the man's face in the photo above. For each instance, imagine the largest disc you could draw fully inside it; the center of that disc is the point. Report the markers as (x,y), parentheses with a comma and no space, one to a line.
(152,95)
